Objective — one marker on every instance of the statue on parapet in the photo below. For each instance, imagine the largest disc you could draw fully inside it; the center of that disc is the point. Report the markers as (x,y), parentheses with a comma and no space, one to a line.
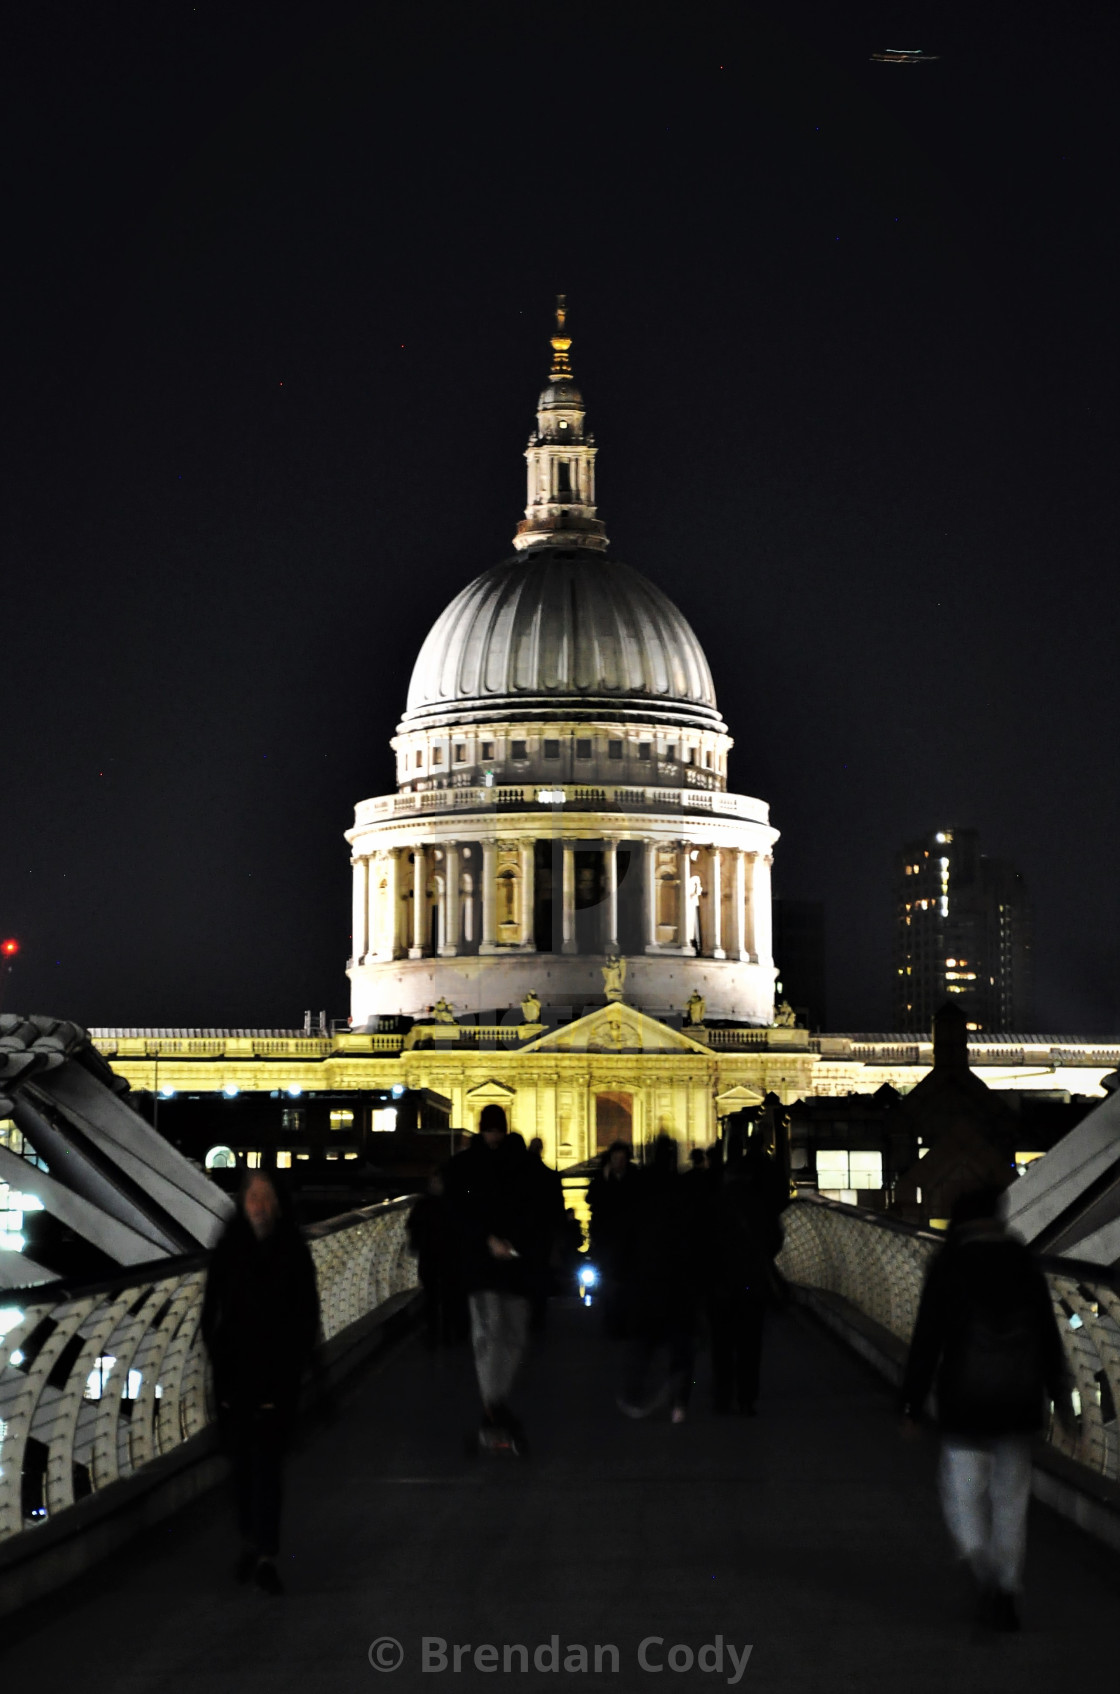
(614,975)
(785,1017)
(442,1012)
(531,1007)
(695,1006)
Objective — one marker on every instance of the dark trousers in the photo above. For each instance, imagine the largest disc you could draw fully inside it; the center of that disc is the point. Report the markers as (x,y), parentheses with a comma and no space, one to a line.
(256,1439)
(735,1321)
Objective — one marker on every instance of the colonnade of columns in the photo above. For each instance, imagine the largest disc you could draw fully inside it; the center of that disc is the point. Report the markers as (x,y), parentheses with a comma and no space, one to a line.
(493,903)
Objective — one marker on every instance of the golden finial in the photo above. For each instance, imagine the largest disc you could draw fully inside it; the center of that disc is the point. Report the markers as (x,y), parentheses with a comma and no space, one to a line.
(561,365)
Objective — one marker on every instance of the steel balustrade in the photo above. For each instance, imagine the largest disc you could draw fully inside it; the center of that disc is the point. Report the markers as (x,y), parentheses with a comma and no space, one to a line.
(96,1382)
(879,1265)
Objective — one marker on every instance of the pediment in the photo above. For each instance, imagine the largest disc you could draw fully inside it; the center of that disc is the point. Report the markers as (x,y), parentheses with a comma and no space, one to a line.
(615,1028)
(483,1092)
(738,1099)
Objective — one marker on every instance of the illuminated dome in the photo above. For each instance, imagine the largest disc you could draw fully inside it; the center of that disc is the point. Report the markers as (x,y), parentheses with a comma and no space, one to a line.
(559,630)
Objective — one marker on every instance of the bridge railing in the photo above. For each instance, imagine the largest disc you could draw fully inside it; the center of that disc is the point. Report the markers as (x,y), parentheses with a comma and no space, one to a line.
(879,1265)
(98,1381)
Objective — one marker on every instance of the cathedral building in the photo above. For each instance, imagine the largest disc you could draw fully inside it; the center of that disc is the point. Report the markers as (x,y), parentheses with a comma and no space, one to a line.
(562,824)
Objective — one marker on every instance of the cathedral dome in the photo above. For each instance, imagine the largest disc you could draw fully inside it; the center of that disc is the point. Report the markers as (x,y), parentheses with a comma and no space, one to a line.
(561,631)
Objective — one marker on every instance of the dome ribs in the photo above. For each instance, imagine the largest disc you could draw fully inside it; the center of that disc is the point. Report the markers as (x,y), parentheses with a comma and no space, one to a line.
(555,625)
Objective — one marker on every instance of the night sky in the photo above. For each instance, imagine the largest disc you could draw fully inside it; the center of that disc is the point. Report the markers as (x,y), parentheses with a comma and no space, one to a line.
(278,283)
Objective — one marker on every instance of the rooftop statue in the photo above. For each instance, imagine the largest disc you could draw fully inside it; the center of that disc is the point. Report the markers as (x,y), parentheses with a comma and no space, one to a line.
(442,1012)
(785,1017)
(695,1006)
(614,975)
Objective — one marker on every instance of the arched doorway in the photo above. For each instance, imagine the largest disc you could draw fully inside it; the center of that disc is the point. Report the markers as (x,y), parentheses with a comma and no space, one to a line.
(614,1119)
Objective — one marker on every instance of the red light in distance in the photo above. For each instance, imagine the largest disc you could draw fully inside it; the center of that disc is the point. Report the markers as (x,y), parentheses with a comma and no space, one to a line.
(9,948)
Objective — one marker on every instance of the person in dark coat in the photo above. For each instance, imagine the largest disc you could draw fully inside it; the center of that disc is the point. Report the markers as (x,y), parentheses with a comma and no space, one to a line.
(660,1268)
(986,1339)
(503,1240)
(610,1196)
(743,1240)
(431,1238)
(260,1324)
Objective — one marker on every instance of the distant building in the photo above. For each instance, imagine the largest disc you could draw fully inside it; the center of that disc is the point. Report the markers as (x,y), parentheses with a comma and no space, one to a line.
(962,929)
(799,954)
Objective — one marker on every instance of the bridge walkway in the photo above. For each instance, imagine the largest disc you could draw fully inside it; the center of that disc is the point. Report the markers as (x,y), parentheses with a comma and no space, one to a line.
(811,1533)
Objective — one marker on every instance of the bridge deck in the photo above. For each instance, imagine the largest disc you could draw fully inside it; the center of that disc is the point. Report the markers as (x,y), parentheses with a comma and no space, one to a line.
(811,1532)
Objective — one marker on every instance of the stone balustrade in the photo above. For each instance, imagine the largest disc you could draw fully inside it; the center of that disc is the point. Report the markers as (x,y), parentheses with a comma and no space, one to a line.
(96,1382)
(879,1265)
(553,798)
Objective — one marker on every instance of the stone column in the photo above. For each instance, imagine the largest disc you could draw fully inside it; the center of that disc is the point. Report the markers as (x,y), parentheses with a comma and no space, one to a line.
(449,941)
(569,944)
(610,867)
(651,894)
(419,902)
(392,917)
(715,895)
(684,874)
(761,914)
(489,942)
(360,918)
(527,853)
(751,907)
(738,905)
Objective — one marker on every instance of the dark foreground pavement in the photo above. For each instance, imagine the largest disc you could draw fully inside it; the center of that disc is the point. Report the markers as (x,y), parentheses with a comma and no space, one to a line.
(810,1533)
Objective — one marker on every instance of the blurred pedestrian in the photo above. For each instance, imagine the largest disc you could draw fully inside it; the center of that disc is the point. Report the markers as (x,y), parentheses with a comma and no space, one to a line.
(742,1241)
(494,1203)
(661,1271)
(610,1198)
(987,1341)
(431,1239)
(260,1324)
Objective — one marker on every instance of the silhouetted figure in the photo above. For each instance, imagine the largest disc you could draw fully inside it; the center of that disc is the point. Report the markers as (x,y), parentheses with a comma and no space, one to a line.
(661,1270)
(260,1323)
(432,1239)
(743,1239)
(610,1197)
(495,1205)
(571,1249)
(547,1192)
(987,1340)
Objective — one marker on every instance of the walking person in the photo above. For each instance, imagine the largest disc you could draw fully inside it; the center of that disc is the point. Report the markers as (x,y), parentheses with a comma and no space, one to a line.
(260,1323)
(610,1198)
(743,1240)
(987,1341)
(431,1239)
(502,1242)
(661,1269)
(547,1192)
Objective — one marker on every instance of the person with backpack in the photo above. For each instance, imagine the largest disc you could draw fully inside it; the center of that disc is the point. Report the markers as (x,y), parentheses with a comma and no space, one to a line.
(986,1339)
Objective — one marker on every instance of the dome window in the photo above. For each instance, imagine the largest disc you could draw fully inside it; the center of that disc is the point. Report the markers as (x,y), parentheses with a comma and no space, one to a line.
(614,749)
(420,761)
(552,749)
(563,423)
(643,749)
(437,755)
(519,750)
(460,752)
(583,749)
(487,749)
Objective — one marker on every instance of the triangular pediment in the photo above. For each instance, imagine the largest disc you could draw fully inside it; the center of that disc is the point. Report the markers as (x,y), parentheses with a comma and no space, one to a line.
(490,1090)
(615,1028)
(738,1099)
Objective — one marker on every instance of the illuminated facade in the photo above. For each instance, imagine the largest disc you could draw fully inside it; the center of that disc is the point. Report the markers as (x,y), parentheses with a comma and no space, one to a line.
(962,932)
(562,801)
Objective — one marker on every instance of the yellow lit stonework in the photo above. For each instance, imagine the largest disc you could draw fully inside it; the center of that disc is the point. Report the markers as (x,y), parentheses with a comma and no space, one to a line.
(551,1080)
